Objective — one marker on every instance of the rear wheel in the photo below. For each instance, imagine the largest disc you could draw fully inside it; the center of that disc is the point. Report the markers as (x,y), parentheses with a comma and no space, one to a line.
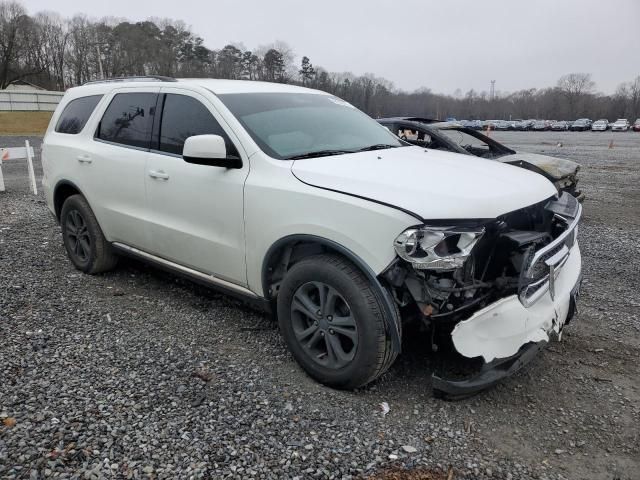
(84,241)
(333,322)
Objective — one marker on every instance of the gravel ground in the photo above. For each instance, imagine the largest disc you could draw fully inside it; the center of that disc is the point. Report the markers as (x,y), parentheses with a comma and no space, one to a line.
(139,374)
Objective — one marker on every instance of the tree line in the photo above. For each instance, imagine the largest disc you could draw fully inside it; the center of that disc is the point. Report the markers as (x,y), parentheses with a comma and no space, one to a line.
(58,53)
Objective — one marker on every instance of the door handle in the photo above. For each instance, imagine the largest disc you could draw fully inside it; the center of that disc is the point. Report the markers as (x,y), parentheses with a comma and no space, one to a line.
(159,174)
(84,158)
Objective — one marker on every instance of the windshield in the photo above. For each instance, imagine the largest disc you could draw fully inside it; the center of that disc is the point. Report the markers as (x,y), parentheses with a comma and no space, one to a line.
(299,125)
(472,142)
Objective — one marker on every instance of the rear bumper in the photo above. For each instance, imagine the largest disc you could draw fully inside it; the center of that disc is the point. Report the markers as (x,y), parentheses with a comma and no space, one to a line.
(508,335)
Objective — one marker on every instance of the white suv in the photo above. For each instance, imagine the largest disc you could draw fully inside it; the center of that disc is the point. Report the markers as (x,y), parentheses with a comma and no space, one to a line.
(296,200)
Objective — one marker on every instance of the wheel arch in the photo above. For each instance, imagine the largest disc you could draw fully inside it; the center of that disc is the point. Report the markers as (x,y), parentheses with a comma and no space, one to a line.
(288,250)
(63,190)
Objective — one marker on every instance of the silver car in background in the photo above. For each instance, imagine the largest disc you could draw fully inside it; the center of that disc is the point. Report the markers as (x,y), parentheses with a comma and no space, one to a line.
(620,125)
(601,125)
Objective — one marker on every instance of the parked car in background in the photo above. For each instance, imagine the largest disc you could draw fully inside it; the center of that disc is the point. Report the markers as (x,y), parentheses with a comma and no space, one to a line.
(540,126)
(453,137)
(560,126)
(620,125)
(636,125)
(601,125)
(474,124)
(521,126)
(296,201)
(581,125)
(502,125)
(526,125)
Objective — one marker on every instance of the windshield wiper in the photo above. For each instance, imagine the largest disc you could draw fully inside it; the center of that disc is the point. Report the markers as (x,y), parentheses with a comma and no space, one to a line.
(377,146)
(326,153)
(319,153)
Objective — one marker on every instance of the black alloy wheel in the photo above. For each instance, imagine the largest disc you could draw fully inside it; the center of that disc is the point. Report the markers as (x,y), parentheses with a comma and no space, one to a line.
(324,325)
(77,236)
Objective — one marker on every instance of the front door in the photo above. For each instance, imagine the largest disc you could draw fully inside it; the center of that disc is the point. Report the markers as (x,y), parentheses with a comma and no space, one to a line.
(195,212)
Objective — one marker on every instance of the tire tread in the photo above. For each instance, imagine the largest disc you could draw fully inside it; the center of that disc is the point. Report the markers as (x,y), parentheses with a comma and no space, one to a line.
(105,258)
(385,353)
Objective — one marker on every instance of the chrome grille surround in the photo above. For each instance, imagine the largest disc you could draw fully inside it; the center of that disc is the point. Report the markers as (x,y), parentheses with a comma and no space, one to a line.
(551,258)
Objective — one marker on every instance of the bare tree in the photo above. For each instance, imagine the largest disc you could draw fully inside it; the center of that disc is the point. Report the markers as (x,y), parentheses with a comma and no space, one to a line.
(54,37)
(574,87)
(58,53)
(634,98)
(16,30)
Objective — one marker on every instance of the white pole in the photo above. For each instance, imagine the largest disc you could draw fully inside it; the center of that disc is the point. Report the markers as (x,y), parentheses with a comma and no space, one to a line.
(32,174)
(1,177)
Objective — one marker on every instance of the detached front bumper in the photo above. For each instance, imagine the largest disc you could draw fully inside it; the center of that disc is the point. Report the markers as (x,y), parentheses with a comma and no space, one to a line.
(507,335)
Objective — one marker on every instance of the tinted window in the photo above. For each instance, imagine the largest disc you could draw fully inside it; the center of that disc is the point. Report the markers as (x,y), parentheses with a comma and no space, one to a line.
(128,119)
(76,113)
(183,117)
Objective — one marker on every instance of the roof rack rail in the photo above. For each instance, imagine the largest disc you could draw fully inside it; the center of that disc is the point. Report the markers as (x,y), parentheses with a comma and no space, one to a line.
(141,78)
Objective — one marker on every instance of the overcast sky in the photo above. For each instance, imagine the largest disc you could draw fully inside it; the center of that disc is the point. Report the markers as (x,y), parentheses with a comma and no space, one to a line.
(443,45)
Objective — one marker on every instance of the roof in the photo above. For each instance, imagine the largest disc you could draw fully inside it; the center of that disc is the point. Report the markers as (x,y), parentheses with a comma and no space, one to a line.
(23,85)
(409,119)
(424,122)
(447,125)
(217,86)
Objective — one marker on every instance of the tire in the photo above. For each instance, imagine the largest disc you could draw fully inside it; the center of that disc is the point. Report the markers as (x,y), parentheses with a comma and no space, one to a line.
(340,341)
(83,239)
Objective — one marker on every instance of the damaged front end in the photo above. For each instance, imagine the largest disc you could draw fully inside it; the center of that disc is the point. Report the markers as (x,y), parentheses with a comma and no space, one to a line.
(498,289)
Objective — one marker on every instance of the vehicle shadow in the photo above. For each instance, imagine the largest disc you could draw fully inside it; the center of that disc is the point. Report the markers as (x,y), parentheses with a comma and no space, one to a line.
(413,368)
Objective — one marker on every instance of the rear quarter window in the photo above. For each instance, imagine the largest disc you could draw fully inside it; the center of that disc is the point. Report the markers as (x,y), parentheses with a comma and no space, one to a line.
(75,115)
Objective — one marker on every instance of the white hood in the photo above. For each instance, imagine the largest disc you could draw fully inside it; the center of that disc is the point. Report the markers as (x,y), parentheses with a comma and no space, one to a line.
(429,183)
(556,167)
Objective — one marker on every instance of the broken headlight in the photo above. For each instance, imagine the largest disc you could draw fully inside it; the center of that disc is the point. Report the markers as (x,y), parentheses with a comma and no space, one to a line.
(437,248)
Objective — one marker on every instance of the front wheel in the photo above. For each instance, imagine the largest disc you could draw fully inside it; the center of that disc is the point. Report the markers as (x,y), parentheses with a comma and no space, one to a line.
(333,322)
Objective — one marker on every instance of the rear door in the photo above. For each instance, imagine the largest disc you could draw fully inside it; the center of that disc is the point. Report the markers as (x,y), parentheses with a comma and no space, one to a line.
(114,164)
(196,212)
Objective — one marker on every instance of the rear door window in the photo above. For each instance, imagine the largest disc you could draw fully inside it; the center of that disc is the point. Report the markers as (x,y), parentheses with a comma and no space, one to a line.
(182,117)
(75,115)
(128,119)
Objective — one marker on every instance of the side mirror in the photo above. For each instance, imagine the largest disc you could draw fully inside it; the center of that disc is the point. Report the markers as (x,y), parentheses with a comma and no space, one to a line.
(209,150)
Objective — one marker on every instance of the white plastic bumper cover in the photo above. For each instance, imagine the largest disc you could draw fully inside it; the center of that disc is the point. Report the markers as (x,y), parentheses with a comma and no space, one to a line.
(500,329)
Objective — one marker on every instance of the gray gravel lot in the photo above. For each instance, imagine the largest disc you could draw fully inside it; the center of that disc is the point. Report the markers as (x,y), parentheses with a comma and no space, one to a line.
(139,374)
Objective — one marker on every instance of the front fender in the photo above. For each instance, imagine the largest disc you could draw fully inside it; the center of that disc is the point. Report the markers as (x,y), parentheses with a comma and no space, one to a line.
(391,317)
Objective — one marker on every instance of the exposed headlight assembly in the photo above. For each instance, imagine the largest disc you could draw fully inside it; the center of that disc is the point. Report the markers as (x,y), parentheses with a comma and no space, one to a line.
(437,248)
